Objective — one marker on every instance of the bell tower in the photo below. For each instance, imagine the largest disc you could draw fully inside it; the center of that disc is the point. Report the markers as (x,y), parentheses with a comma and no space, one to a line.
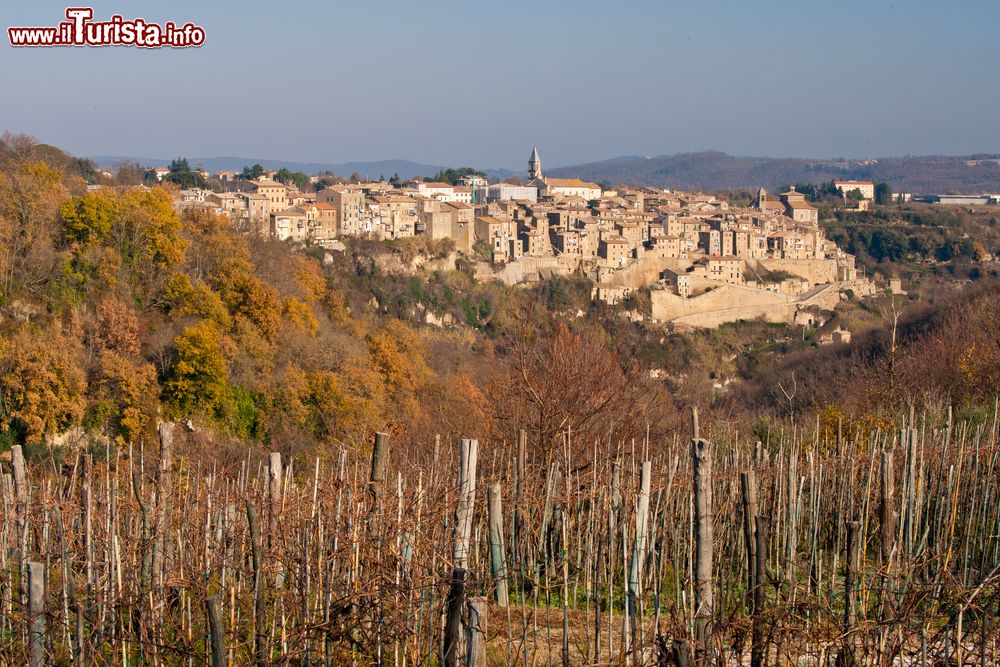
(534,166)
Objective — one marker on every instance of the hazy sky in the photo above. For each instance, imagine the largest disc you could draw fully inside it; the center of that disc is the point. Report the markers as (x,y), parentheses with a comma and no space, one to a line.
(480,83)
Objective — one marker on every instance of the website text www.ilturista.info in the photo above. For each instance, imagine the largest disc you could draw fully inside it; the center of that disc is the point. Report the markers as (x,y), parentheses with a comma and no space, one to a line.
(80,30)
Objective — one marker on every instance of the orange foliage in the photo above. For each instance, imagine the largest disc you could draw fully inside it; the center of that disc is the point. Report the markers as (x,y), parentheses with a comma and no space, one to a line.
(397,353)
(309,278)
(117,327)
(133,392)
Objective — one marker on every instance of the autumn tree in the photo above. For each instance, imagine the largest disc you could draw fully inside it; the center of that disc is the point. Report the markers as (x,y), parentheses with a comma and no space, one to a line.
(124,398)
(186,298)
(246,296)
(348,407)
(30,194)
(198,380)
(300,315)
(132,237)
(117,328)
(222,259)
(148,241)
(89,218)
(309,278)
(551,380)
(397,355)
(41,383)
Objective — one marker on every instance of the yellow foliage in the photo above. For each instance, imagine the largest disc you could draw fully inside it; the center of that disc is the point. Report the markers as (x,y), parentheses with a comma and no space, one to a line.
(292,397)
(196,299)
(335,305)
(349,405)
(198,381)
(30,193)
(41,383)
(132,236)
(90,217)
(245,294)
(852,428)
(344,408)
(979,364)
(202,222)
(250,340)
(30,196)
(151,228)
(108,265)
(300,315)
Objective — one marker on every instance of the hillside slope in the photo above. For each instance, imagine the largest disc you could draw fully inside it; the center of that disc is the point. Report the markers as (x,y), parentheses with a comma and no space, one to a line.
(944,353)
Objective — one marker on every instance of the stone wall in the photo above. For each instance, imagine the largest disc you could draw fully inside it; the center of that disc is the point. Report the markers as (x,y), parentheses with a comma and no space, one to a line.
(783,312)
(645,271)
(530,269)
(730,303)
(668,306)
(816,271)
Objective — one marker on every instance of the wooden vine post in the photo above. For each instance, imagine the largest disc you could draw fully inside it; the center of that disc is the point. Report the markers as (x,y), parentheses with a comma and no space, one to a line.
(701,458)
(260,631)
(36,614)
(851,572)
(216,631)
(748,488)
(497,560)
(477,612)
(468,457)
(164,489)
(758,645)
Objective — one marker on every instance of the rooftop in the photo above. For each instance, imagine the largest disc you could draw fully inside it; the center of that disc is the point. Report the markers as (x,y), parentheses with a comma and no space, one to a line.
(571,183)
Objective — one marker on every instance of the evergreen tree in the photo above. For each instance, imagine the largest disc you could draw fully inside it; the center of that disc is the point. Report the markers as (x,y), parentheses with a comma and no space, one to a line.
(883,193)
(182,174)
(253,173)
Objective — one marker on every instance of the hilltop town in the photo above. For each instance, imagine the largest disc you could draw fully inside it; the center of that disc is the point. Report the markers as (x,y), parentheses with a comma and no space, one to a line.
(704,260)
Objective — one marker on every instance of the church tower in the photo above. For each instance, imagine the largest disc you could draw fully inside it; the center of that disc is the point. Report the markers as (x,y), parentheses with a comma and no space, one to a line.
(534,166)
(761,198)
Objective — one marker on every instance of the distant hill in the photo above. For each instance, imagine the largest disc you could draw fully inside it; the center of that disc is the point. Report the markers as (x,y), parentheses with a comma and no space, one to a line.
(372,170)
(709,170)
(387,168)
(718,171)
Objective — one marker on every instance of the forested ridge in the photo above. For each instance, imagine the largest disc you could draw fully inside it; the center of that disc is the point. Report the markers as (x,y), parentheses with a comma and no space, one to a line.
(712,170)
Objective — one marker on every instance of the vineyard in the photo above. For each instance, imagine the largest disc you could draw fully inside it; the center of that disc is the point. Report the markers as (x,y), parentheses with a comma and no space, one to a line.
(879,549)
